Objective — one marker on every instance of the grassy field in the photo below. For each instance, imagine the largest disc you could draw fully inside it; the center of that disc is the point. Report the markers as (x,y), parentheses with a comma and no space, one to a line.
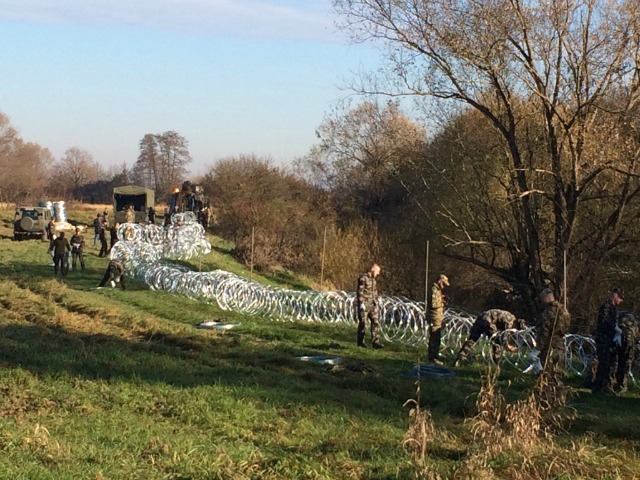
(106,384)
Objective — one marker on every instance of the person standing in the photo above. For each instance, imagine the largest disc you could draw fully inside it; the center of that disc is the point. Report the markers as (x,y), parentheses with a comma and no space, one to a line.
(488,323)
(367,306)
(130,215)
(114,274)
(114,235)
(77,247)
(152,216)
(603,335)
(97,226)
(624,349)
(51,230)
(437,303)
(553,324)
(59,245)
(103,240)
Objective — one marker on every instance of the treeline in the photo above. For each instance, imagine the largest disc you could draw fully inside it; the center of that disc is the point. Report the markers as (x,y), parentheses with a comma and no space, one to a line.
(382,188)
(30,172)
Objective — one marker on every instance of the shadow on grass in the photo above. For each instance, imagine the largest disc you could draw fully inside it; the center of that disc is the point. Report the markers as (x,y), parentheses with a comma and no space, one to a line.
(185,362)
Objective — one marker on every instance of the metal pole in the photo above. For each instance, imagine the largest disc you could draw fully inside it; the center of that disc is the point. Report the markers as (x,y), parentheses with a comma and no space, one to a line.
(253,242)
(564,294)
(324,249)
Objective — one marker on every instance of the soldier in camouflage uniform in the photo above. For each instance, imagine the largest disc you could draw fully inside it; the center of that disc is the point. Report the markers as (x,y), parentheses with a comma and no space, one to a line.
(624,350)
(603,335)
(488,323)
(114,274)
(553,324)
(436,314)
(366,302)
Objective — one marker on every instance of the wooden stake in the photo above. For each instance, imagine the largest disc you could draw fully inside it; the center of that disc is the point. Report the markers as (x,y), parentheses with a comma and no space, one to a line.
(253,242)
(324,249)
(564,293)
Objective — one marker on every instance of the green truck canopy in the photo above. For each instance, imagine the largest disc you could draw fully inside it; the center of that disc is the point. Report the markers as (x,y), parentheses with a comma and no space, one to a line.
(140,198)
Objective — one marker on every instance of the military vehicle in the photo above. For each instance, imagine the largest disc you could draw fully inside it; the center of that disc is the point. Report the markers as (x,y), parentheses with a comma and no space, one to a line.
(31,222)
(140,198)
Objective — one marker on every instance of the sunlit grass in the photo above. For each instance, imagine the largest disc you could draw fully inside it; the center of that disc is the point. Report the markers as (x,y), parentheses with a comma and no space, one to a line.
(113,384)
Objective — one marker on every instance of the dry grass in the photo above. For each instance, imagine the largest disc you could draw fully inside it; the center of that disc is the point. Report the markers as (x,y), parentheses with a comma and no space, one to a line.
(420,433)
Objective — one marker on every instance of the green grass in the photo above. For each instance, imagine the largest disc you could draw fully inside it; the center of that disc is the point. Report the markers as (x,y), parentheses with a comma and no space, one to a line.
(110,384)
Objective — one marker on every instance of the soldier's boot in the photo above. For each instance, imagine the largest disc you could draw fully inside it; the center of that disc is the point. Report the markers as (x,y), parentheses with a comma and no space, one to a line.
(434,346)
(360,338)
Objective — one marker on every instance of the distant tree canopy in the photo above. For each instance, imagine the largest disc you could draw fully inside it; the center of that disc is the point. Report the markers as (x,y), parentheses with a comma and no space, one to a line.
(24,167)
(76,169)
(162,162)
(289,214)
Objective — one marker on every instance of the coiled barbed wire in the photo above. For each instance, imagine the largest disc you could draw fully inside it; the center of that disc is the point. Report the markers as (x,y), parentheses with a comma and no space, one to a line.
(145,250)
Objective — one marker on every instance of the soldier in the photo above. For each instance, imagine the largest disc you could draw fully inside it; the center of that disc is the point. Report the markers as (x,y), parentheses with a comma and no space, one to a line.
(97,226)
(436,314)
(58,246)
(51,230)
(603,335)
(103,240)
(114,235)
(366,301)
(77,247)
(152,216)
(553,324)
(488,323)
(114,274)
(624,349)
(130,215)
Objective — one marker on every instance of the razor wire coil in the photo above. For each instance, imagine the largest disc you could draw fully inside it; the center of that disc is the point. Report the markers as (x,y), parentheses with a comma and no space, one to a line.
(148,249)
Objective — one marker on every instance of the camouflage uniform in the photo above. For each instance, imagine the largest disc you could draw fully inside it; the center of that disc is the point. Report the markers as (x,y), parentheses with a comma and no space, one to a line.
(488,323)
(366,298)
(605,331)
(114,273)
(553,324)
(130,215)
(436,314)
(623,354)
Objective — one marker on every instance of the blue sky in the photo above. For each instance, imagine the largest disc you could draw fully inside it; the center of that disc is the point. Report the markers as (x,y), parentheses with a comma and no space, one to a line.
(231,76)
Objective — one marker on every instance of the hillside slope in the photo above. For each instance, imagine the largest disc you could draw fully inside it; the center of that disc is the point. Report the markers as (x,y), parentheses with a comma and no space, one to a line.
(113,384)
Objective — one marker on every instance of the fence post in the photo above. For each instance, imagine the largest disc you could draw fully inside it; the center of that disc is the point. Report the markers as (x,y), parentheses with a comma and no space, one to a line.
(253,242)
(324,249)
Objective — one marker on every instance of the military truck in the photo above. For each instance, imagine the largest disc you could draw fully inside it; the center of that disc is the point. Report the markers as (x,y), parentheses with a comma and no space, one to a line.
(140,198)
(188,198)
(31,222)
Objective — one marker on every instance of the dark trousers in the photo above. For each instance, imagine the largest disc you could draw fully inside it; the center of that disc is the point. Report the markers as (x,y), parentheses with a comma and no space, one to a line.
(602,382)
(58,259)
(103,247)
(112,274)
(75,256)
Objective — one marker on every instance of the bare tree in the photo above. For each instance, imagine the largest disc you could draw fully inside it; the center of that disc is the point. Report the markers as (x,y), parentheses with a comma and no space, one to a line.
(78,167)
(24,167)
(162,162)
(567,67)
(359,154)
